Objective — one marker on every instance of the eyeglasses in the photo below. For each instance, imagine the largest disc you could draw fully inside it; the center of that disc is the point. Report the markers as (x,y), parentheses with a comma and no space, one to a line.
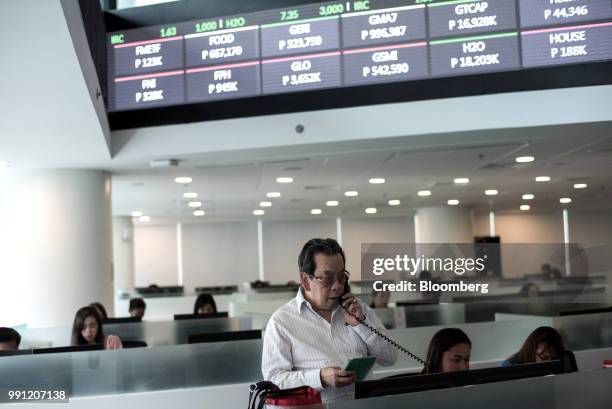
(329,280)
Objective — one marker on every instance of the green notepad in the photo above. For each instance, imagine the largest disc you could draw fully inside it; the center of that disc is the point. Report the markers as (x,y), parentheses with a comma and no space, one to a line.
(361,366)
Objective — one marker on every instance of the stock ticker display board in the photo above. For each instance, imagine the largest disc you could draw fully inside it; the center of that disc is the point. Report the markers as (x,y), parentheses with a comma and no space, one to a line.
(347,44)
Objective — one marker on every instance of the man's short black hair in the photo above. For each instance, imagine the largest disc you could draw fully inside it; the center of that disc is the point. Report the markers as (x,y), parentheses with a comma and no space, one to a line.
(329,247)
(9,335)
(137,303)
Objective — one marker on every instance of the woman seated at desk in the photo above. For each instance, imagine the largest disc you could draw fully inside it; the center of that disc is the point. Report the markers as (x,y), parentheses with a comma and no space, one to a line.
(205,304)
(543,344)
(449,351)
(87,330)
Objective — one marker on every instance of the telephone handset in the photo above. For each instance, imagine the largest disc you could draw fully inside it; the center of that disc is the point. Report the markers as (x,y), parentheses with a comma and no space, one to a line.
(347,289)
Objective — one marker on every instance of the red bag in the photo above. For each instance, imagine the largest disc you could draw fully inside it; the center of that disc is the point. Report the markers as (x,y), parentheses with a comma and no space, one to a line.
(301,396)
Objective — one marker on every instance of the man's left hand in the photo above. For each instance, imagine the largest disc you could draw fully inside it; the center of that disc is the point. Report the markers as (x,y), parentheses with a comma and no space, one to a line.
(352,309)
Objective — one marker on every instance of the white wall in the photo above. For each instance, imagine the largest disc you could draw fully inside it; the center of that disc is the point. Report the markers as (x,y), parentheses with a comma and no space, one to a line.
(155,256)
(529,228)
(372,230)
(518,232)
(219,254)
(586,228)
(283,241)
(590,228)
(226,253)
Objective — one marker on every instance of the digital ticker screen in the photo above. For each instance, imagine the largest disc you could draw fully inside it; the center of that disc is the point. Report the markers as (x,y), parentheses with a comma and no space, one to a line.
(347,44)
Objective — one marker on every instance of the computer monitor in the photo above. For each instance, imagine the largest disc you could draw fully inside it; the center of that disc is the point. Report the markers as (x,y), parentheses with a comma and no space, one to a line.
(134,344)
(121,320)
(76,348)
(225,336)
(417,383)
(12,352)
(178,317)
(587,311)
(217,290)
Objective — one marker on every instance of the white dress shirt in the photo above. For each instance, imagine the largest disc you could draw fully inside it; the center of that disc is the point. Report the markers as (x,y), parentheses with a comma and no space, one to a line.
(298,342)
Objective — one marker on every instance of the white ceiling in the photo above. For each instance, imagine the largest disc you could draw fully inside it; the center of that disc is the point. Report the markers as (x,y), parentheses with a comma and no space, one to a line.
(234,191)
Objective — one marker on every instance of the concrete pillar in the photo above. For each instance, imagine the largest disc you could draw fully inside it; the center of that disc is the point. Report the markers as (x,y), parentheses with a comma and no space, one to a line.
(444,225)
(123,254)
(55,245)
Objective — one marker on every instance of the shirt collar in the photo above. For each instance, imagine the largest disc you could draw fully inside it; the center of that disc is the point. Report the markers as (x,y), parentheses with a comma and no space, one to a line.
(300,301)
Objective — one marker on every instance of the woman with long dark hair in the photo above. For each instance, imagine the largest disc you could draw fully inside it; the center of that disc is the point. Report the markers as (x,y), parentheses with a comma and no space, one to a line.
(87,330)
(543,344)
(449,350)
(205,304)
(100,309)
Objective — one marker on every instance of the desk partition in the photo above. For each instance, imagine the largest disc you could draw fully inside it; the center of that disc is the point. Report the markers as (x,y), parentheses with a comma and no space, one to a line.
(199,365)
(136,370)
(568,391)
(153,333)
(585,331)
(491,342)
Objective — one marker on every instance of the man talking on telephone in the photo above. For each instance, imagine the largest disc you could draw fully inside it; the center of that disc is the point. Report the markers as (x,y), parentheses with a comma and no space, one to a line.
(309,339)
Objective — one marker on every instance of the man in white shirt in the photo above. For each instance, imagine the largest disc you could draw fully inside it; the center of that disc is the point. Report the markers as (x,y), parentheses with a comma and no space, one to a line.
(309,339)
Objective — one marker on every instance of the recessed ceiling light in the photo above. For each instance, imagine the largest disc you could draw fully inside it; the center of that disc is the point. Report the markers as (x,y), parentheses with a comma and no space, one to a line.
(190,195)
(528,196)
(394,202)
(273,194)
(265,204)
(453,202)
(258,212)
(351,193)
(284,179)
(525,207)
(183,180)
(377,181)
(424,193)
(524,159)
(371,210)
(316,211)
(542,179)
(136,213)
(195,204)
(331,203)
(462,181)
(199,213)
(491,192)
(565,200)
(580,185)
(144,219)
(4,163)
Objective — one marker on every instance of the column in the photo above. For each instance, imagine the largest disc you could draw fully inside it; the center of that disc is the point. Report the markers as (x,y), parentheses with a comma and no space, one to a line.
(123,254)
(444,225)
(55,245)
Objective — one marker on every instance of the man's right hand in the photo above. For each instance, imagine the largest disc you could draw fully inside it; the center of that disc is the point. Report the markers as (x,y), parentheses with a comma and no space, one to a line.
(336,377)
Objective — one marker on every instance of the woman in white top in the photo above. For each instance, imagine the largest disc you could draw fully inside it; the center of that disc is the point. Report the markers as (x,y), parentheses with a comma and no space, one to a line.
(87,330)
